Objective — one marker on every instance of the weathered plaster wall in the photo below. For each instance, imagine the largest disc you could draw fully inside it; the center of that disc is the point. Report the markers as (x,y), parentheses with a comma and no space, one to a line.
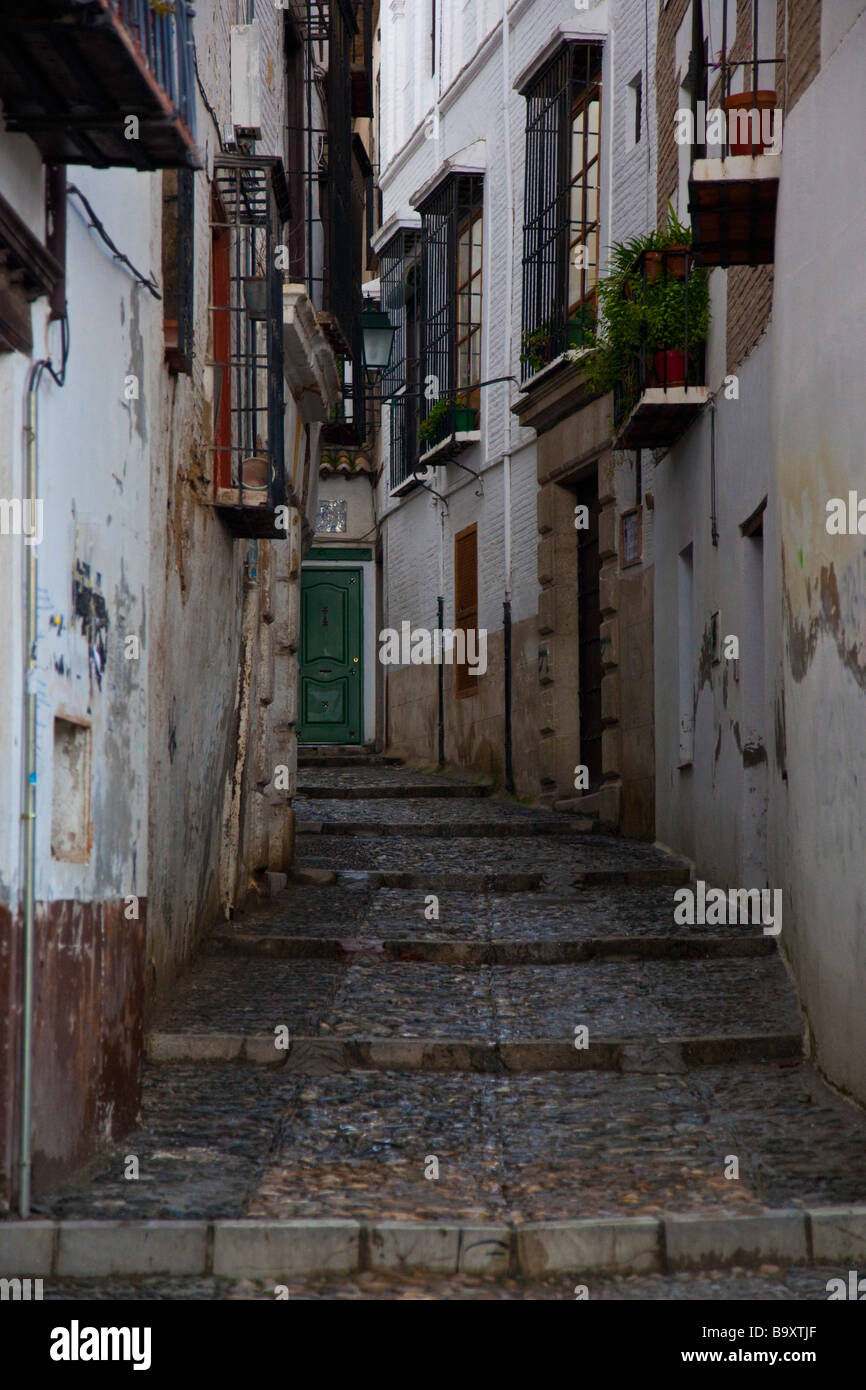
(819,424)
(94,445)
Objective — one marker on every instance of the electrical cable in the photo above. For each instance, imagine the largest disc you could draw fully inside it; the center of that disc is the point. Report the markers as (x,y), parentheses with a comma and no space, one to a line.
(146,280)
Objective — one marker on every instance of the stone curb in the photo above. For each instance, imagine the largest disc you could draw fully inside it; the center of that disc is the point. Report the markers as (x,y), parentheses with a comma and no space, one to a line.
(450,952)
(286,1249)
(315,1055)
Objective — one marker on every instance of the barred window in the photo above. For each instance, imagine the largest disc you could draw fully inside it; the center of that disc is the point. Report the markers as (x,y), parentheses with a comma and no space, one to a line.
(399,278)
(562,200)
(450,325)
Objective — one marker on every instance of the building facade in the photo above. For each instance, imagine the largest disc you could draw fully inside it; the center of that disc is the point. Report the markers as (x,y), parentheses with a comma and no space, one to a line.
(175,317)
(518,152)
(758,599)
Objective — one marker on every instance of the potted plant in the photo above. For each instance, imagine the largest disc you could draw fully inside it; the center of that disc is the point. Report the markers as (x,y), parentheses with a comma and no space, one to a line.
(535,348)
(760,101)
(668,252)
(432,429)
(643,317)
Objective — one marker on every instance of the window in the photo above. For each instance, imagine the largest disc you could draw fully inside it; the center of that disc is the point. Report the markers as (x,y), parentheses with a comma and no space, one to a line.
(466,603)
(178,267)
(450,319)
(399,268)
(636,89)
(469,253)
(249,209)
(27,271)
(562,201)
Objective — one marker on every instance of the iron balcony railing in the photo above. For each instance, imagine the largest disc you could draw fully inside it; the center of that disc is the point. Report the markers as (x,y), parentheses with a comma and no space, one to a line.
(73,73)
(163,34)
(666,303)
(714,73)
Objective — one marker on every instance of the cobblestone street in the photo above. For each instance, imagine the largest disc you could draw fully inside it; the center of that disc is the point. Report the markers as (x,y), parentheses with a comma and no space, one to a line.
(432,1074)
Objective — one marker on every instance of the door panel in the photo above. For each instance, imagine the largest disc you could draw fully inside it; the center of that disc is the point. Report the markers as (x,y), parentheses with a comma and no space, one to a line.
(331,705)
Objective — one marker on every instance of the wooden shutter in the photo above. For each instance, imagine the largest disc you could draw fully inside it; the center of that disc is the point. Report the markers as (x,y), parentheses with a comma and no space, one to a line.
(466,599)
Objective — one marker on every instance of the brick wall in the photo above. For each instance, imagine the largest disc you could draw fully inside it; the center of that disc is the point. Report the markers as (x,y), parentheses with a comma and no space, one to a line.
(804,48)
(667,102)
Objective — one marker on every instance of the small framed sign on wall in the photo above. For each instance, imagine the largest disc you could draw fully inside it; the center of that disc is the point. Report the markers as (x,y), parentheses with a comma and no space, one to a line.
(630,537)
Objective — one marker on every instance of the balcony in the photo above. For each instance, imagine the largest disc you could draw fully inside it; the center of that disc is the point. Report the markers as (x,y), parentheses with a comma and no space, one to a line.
(249,209)
(107,83)
(734,178)
(661,391)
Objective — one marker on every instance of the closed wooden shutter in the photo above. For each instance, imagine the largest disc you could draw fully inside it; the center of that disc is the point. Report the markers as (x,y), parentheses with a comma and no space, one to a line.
(466,599)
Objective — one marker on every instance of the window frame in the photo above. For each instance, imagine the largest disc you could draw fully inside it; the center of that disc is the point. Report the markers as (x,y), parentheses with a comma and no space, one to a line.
(556,97)
(398,258)
(453,206)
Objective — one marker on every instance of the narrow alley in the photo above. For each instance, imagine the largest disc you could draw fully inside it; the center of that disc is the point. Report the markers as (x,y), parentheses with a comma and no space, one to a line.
(434,1111)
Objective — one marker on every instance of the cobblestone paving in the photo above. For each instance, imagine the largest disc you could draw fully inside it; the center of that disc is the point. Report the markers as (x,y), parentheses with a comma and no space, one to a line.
(222,1140)
(771,1285)
(427,813)
(557,860)
(623,999)
(370,780)
(617,910)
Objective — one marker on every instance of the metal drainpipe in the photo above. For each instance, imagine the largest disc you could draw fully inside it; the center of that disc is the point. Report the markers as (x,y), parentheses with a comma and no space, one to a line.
(506,457)
(28,812)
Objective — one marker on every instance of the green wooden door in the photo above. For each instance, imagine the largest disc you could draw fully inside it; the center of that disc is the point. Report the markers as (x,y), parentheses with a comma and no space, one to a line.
(332,678)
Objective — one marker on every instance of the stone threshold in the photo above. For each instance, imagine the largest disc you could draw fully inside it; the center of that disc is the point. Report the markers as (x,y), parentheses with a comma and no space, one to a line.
(326,1055)
(281,1250)
(447,951)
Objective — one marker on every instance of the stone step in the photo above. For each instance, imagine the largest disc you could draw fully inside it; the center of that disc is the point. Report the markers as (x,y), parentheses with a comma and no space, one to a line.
(314,790)
(448,951)
(561,860)
(347,759)
(456,829)
(374,997)
(277,1250)
(767,1283)
(321,1056)
(420,880)
(229,1141)
(337,912)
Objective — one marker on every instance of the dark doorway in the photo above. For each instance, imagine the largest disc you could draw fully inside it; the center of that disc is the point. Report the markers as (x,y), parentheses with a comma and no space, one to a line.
(589,630)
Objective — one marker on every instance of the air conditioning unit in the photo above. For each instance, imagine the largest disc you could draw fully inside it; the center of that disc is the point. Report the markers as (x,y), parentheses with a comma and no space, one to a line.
(246,80)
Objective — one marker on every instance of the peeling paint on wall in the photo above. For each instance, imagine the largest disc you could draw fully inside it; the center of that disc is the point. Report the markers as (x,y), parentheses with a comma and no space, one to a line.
(89,607)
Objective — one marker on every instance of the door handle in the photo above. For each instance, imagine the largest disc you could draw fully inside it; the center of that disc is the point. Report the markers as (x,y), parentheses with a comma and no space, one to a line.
(356,659)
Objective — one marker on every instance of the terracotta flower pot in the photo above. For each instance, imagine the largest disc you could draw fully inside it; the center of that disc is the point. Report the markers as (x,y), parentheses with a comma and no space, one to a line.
(674,259)
(750,101)
(669,367)
(254,474)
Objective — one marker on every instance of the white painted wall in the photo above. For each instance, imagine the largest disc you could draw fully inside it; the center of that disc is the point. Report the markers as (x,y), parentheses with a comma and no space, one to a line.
(468,96)
(818,414)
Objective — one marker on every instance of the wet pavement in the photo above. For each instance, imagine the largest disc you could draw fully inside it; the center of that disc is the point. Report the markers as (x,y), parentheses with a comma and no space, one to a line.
(224,1140)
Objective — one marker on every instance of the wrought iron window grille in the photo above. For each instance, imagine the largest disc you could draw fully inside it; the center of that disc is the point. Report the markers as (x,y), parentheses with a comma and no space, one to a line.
(450,321)
(562,202)
(399,277)
(249,210)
